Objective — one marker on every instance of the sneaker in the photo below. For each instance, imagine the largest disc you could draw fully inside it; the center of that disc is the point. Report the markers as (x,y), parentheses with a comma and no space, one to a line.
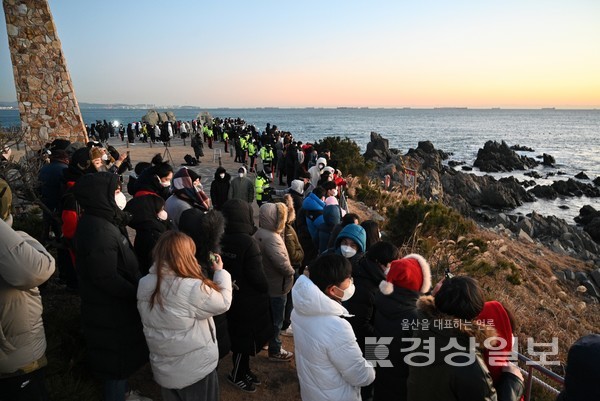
(282,356)
(252,378)
(287,332)
(242,384)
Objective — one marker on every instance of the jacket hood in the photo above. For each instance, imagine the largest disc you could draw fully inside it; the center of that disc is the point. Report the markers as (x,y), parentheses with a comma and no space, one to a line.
(312,202)
(147,181)
(356,233)
(144,212)
(332,215)
(581,378)
(184,189)
(221,170)
(273,217)
(291,213)
(206,229)
(321,160)
(309,300)
(238,217)
(297,186)
(244,170)
(96,194)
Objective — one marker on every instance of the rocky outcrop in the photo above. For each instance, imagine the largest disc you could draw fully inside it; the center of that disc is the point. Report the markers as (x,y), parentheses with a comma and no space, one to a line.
(570,187)
(582,176)
(533,174)
(597,181)
(553,232)
(520,148)
(378,149)
(548,160)
(588,283)
(153,117)
(466,192)
(589,218)
(498,157)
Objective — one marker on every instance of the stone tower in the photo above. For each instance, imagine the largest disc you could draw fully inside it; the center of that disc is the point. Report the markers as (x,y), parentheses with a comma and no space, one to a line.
(45,94)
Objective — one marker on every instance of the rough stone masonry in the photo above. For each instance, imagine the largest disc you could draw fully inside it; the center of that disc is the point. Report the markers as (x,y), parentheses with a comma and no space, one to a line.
(47,102)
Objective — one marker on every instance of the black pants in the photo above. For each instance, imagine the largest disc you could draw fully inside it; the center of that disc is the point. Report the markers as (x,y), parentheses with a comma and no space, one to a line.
(27,387)
(241,366)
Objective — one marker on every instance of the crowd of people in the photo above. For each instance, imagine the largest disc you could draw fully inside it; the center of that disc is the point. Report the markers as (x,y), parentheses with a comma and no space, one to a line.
(200,282)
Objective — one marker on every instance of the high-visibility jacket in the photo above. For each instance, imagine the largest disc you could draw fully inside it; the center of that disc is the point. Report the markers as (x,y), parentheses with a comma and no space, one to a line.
(266,155)
(260,184)
(243,143)
(251,149)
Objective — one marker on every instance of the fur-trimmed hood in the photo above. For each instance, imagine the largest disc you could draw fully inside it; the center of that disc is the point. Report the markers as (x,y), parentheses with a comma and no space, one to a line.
(273,217)
(412,272)
(289,203)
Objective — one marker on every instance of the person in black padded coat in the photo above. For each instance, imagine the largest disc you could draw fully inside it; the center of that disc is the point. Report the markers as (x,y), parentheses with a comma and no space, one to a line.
(249,318)
(108,280)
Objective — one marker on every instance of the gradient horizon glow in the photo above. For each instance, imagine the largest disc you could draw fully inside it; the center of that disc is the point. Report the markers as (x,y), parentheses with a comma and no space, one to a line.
(511,54)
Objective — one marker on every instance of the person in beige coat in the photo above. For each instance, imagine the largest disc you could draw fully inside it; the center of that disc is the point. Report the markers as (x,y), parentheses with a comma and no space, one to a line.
(24,265)
(278,269)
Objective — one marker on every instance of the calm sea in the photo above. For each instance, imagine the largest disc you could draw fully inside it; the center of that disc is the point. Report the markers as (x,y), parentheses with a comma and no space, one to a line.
(571,136)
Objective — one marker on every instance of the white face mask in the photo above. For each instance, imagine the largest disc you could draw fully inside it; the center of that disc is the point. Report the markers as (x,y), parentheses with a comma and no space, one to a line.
(165,184)
(348,292)
(105,157)
(347,251)
(334,192)
(121,200)
(162,215)
(222,176)
(199,187)
(241,175)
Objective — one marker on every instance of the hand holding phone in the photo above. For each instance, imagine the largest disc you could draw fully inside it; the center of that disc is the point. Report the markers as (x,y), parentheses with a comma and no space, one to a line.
(217,262)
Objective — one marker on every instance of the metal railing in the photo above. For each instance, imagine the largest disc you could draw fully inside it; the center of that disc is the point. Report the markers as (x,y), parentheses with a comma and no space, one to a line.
(530,366)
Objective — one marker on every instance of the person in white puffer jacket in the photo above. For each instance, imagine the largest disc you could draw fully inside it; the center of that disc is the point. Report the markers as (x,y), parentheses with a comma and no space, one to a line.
(177,303)
(329,361)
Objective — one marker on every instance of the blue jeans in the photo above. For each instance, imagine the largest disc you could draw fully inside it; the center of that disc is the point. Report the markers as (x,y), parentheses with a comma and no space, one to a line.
(278,310)
(114,390)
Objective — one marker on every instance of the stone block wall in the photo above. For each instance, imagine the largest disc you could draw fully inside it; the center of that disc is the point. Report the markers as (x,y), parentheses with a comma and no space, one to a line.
(45,93)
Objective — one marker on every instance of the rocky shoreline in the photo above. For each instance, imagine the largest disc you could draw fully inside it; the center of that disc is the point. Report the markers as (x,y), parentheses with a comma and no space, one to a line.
(490,201)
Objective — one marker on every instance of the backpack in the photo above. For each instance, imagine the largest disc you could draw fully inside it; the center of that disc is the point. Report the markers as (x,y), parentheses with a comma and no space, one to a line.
(190,160)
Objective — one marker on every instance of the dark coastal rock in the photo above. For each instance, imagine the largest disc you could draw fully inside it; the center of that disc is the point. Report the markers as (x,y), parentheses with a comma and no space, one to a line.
(455,163)
(586,215)
(498,157)
(573,187)
(560,173)
(533,174)
(428,156)
(595,275)
(570,275)
(591,288)
(467,192)
(589,218)
(593,229)
(580,277)
(582,176)
(597,181)
(564,207)
(518,147)
(544,192)
(548,160)
(378,149)
(466,168)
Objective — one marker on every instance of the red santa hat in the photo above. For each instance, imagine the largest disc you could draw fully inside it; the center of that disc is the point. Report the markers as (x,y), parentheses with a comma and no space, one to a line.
(411,272)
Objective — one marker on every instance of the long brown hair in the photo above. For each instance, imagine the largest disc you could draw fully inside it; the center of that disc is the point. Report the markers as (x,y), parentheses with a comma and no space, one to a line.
(176,251)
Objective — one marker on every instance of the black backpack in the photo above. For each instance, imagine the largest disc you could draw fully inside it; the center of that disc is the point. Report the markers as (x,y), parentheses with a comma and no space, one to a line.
(190,160)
